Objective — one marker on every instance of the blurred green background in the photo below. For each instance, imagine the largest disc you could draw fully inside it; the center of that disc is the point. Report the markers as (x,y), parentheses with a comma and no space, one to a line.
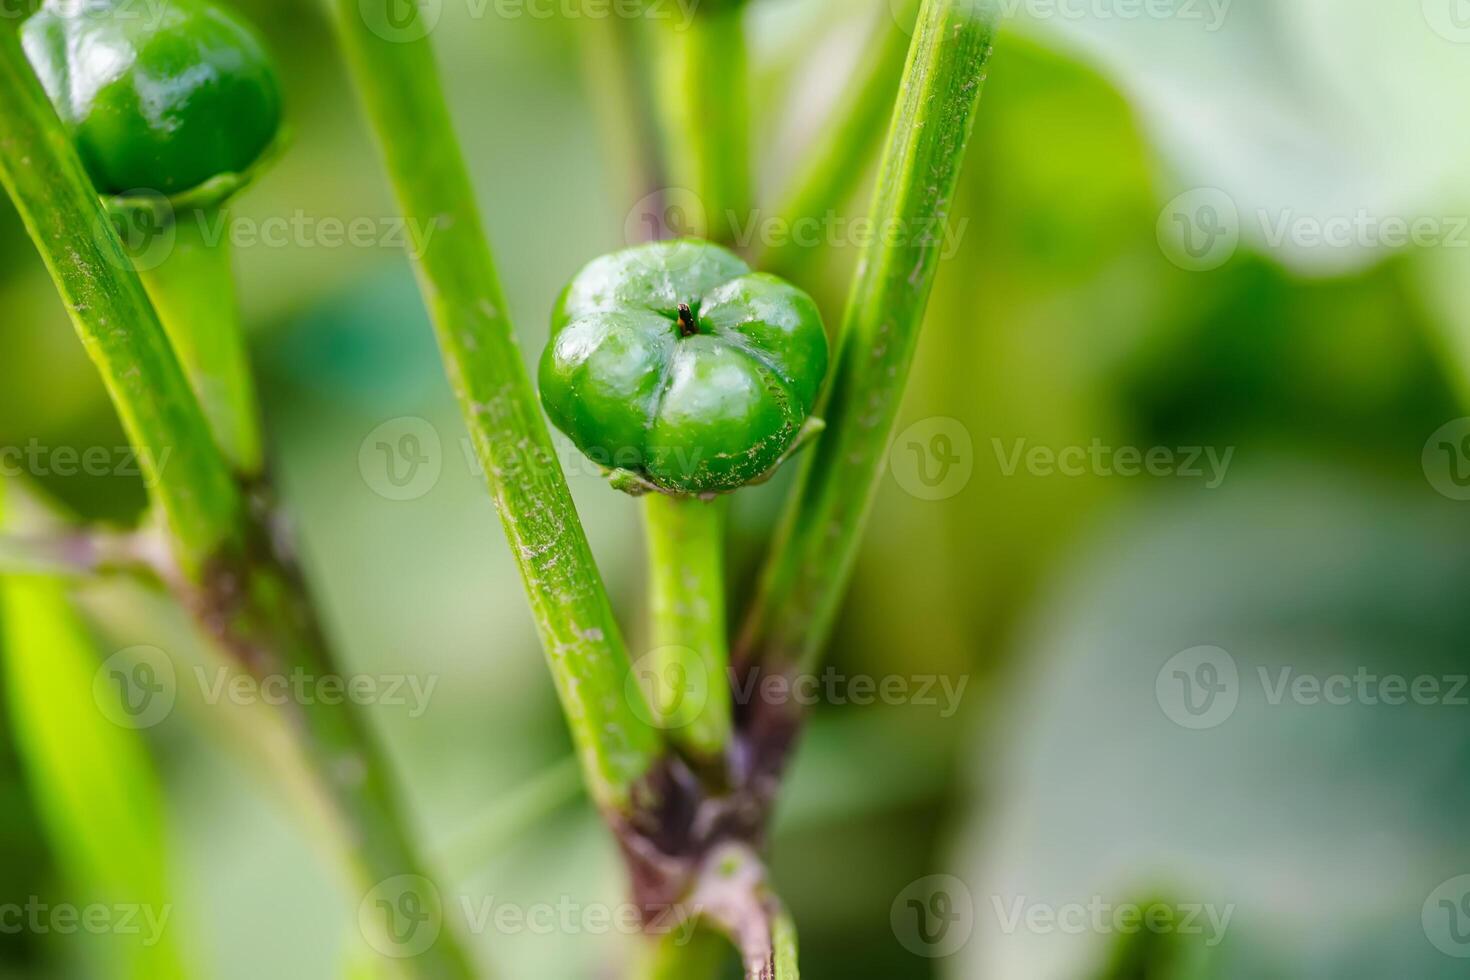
(1177,232)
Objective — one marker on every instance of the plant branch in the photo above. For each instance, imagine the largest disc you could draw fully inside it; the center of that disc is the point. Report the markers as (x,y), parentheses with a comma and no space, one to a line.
(259,611)
(76,238)
(830,175)
(811,560)
(734,896)
(691,659)
(617,85)
(232,570)
(704,80)
(81,553)
(193,290)
(399,85)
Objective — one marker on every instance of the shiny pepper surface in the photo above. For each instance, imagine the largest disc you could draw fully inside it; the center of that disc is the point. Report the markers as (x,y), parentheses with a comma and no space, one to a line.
(159,99)
(676,363)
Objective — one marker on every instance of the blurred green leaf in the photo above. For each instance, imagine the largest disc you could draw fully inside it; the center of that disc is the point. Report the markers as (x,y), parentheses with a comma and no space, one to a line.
(99,797)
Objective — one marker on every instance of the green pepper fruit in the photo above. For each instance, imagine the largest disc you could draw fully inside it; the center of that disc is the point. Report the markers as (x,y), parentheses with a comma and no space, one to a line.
(674,364)
(176,99)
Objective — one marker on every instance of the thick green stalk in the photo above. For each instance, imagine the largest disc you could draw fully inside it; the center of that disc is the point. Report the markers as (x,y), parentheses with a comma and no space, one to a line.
(830,175)
(399,85)
(785,947)
(617,85)
(734,896)
(193,290)
(190,479)
(703,81)
(248,597)
(269,627)
(811,561)
(690,663)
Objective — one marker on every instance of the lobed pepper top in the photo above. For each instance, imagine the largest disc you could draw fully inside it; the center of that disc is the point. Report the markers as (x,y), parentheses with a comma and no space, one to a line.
(675,363)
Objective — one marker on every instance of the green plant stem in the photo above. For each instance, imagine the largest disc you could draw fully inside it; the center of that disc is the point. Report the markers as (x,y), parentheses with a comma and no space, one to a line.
(618,88)
(811,560)
(189,477)
(193,290)
(691,659)
(831,173)
(399,85)
(704,80)
(264,620)
(239,589)
(785,947)
(734,896)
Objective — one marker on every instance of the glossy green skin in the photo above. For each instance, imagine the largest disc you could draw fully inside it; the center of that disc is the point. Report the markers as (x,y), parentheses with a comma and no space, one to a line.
(158,98)
(697,414)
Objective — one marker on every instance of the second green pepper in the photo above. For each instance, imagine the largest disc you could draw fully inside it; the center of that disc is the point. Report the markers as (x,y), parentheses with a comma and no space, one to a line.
(675,362)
